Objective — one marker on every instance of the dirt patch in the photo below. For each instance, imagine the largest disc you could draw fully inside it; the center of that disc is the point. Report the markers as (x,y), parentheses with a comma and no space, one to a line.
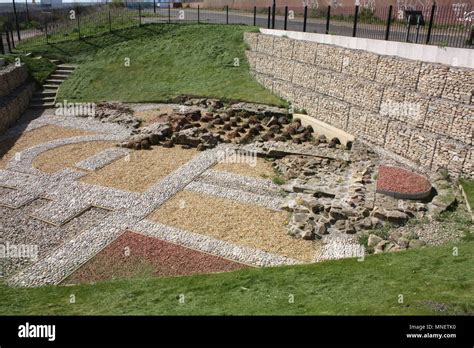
(260,168)
(9,147)
(242,224)
(135,255)
(141,169)
(148,117)
(67,156)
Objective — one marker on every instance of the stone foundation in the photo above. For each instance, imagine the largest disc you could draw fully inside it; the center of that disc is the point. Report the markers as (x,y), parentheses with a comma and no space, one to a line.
(423,112)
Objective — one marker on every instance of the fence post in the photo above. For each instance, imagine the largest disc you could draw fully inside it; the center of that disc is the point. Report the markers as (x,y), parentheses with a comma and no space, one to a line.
(430,26)
(269,14)
(78,25)
(227,14)
(198,15)
(169,12)
(255,16)
(389,21)
(356,14)
(328,17)
(8,41)
(286,18)
(27,12)
(2,49)
(12,37)
(46,32)
(154,6)
(16,22)
(139,14)
(110,21)
(273,14)
(305,18)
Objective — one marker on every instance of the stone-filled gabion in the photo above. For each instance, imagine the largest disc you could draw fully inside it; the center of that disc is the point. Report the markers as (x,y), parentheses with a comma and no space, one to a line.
(390,102)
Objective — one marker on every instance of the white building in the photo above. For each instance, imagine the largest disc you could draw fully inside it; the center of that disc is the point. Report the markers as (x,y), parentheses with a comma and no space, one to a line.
(52,3)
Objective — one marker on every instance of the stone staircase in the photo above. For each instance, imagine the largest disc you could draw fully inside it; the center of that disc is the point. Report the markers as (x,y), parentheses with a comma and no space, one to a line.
(46,97)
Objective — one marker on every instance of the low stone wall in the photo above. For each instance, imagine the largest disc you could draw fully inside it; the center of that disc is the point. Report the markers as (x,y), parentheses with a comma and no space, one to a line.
(16,91)
(421,112)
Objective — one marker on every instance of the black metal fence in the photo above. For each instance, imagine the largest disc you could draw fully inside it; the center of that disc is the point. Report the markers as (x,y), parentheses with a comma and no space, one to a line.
(434,25)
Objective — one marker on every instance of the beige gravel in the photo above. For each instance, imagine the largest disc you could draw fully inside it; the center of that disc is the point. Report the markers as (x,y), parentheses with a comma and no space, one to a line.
(9,147)
(242,224)
(249,167)
(67,156)
(141,169)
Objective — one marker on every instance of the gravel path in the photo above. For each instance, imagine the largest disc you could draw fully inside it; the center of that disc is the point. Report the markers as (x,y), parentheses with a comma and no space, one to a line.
(243,224)
(73,253)
(142,169)
(67,156)
(9,146)
(250,256)
(265,201)
(102,159)
(240,182)
(19,228)
(25,162)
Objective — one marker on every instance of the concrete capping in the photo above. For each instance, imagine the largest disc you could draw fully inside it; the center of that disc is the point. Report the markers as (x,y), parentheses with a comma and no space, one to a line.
(321,127)
(452,56)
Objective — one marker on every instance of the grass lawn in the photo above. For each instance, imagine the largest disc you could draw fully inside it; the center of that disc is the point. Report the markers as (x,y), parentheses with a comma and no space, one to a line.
(40,69)
(431,281)
(166,60)
(468,186)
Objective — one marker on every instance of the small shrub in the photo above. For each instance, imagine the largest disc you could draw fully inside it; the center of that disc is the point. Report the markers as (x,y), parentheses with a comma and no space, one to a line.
(278,180)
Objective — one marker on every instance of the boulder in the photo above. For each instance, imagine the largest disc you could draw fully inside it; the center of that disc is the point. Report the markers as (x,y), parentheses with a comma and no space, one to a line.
(374,240)
(403,242)
(145,144)
(415,244)
(364,224)
(320,229)
(337,214)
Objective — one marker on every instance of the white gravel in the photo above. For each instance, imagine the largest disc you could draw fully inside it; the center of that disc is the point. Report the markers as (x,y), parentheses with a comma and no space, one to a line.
(240,182)
(102,159)
(270,202)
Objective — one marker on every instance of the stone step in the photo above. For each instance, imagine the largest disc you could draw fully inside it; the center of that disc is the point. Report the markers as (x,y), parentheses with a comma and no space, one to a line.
(43,100)
(41,105)
(45,93)
(51,86)
(58,77)
(67,67)
(53,81)
(64,72)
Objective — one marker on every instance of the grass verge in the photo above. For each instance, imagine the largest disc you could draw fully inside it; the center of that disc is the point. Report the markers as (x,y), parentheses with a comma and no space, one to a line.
(431,280)
(39,68)
(165,61)
(468,186)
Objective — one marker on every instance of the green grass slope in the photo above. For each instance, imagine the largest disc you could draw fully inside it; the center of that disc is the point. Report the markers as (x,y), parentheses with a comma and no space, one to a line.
(166,61)
(431,281)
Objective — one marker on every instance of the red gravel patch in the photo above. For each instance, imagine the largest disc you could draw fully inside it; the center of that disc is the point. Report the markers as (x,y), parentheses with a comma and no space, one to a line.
(402,183)
(136,255)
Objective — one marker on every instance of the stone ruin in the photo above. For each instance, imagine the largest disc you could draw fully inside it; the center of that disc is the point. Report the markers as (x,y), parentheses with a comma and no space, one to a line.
(330,189)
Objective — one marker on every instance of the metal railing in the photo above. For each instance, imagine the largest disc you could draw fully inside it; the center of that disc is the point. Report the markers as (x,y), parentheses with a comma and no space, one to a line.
(433,25)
